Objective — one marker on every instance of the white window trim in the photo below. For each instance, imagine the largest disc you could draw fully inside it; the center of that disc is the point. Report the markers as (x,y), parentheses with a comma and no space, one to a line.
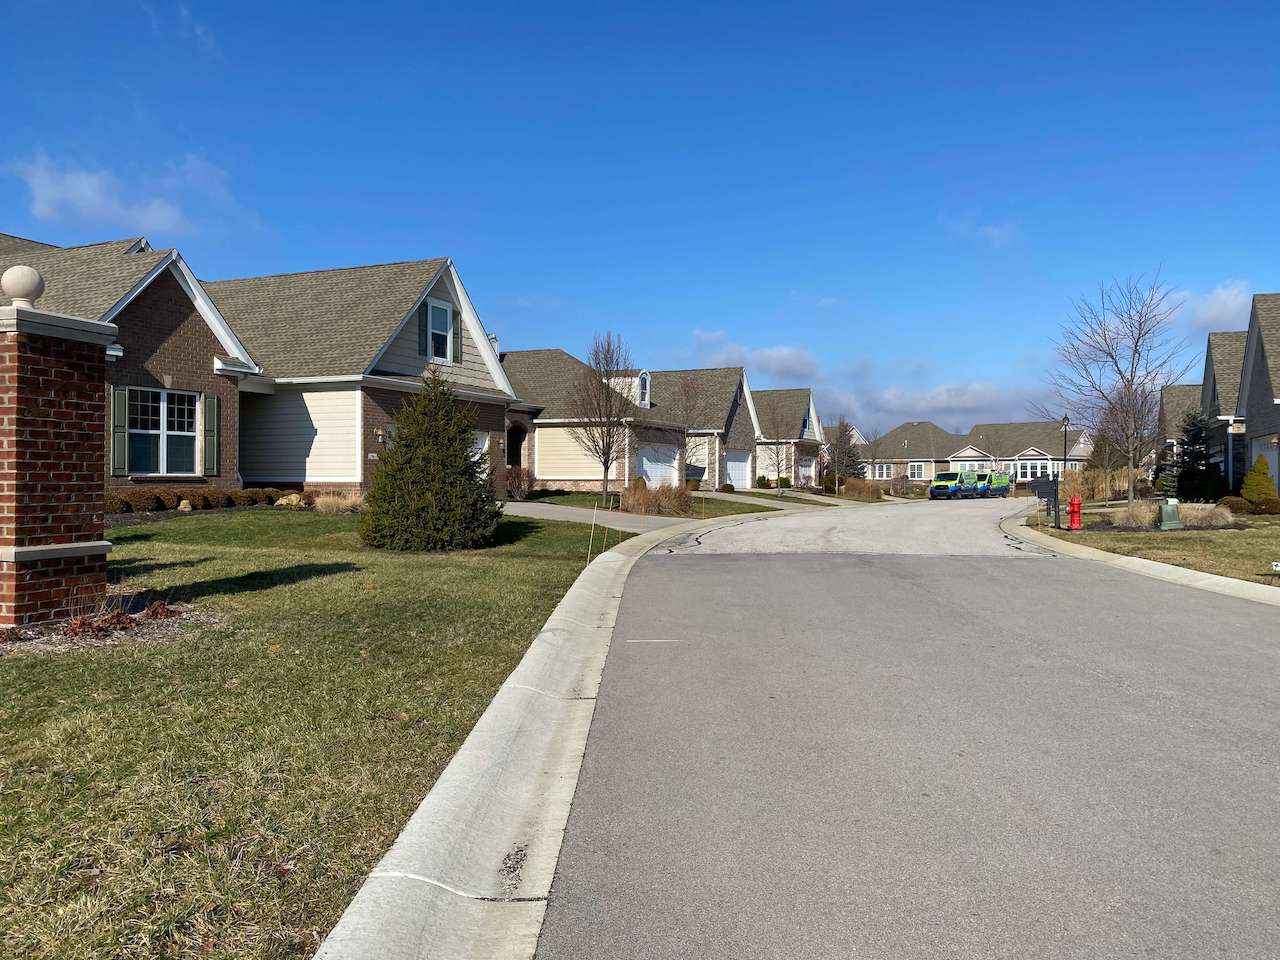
(915,471)
(163,433)
(429,356)
(882,471)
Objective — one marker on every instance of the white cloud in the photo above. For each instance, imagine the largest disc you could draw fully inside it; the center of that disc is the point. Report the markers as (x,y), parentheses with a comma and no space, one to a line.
(160,203)
(952,406)
(782,363)
(995,235)
(1225,307)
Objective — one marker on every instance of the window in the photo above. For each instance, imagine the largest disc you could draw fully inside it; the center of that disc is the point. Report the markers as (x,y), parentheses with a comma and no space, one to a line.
(162,432)
(479,444)
(915,471)
(643,390)
(435,331)
(883,471)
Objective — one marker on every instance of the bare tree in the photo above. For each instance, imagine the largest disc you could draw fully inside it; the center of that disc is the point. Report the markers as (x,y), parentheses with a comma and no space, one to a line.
(1114,356)
(871,449)
(601,410)
(774,425)
(685,409)
(842,452)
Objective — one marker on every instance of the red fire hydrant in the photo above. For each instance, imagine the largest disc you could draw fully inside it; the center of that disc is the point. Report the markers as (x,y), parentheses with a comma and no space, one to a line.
(1073,515)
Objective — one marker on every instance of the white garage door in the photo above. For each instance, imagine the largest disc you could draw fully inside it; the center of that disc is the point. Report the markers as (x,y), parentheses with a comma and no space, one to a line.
(657,464)
(808,470)
(737,468)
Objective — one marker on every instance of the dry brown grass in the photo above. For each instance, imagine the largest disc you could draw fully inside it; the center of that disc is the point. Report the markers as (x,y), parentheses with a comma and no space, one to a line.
(340,502)
(865,490)
(660,501)
(1195,516)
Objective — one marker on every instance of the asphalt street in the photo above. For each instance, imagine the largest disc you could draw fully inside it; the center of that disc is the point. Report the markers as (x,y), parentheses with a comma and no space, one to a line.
(891,732)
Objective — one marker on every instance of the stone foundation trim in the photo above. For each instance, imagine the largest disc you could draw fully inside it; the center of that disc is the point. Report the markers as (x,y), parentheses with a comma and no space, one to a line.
(37,322)
(49,551)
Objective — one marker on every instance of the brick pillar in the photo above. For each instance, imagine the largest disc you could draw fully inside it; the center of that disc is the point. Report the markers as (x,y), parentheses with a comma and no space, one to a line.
(53,555)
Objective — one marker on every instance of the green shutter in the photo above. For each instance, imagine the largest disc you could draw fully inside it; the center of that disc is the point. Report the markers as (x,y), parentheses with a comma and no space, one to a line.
(457,337)
(119,431)
(212,434)
(424,343)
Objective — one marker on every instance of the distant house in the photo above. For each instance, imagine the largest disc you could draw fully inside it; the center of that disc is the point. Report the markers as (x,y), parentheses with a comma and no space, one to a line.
(1219,393)
(716,406)
(918,450)
(540,433)
(341,351)
(790,442)
(1259,401)
(175,375)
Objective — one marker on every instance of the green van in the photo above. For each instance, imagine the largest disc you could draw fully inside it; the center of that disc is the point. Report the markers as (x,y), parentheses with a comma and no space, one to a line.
(944,486)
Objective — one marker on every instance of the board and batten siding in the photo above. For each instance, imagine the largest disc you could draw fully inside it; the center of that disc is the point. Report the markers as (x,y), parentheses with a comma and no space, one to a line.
(402,355)
(297,436)
(557,456)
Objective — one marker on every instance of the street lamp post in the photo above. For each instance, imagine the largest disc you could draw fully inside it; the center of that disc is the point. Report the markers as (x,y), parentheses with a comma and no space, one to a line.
(1062,473)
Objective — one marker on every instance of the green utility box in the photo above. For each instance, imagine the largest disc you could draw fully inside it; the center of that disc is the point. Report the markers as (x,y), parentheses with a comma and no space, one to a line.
(1170,519)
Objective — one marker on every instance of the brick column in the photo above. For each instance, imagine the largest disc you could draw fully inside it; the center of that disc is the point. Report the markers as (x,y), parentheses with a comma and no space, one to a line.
(53,555)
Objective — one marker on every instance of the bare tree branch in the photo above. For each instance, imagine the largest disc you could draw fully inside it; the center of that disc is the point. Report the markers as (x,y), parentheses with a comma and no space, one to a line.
(601,410)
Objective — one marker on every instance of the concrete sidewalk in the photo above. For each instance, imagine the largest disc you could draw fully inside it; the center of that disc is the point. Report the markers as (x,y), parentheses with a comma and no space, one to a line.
(631,522)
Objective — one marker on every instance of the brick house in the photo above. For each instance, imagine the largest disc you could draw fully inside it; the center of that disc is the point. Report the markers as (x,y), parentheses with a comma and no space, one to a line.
(540,430)
(341,351)
(789,441)
(173,377)
(918,450)
(1259,401)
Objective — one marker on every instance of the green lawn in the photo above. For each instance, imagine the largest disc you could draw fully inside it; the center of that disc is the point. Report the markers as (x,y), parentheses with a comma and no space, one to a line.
(224,793)
(786,500)
(1244,554)
(702,506)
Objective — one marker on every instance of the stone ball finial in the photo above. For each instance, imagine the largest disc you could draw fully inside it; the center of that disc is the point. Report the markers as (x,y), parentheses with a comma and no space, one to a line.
(23,285)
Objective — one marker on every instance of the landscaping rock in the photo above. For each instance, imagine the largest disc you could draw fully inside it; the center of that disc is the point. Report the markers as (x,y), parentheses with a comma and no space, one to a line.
(185,506)
(291,500)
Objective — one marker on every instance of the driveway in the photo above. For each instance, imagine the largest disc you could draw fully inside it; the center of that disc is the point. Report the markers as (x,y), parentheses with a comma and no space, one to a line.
(928,741)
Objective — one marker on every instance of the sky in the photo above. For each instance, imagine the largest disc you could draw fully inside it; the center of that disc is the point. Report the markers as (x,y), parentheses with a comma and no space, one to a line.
(894,205)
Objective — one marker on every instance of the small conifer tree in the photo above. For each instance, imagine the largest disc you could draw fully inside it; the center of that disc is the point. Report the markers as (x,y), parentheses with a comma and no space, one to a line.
(1258,484)
(430,491)
(1198,477)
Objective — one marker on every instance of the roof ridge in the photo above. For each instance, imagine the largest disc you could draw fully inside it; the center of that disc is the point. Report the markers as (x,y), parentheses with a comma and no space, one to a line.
(304,273)
(43,243)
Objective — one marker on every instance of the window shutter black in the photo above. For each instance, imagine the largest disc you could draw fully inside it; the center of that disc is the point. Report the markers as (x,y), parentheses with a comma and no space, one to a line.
(119,431)
(424,346)
(212,434)
(457,337)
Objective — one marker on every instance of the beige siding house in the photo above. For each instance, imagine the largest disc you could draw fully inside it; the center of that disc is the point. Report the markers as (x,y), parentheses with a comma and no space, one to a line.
(789,439)
(715,406)
(1259,402)
(540,439)
(917,451)
(341,352)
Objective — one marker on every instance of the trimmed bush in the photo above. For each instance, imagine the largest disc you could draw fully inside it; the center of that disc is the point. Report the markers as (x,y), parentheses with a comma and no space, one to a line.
(243,498)
(168,499)
(266,495)
(429,492)
(196,496)
(219,498)
(1258,482)
(1268,506)
(784,482)
(764,483)
(143,501)
(1236,504)
(115,503)
(726,488)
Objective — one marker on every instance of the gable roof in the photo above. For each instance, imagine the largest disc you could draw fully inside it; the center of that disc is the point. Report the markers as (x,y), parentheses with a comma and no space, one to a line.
(917,440)
(323,323)
(1005,440)
(1265,316)
(1176,401)
(83,281)
(709,392)
(782,411)
(1224,360)
(547,378)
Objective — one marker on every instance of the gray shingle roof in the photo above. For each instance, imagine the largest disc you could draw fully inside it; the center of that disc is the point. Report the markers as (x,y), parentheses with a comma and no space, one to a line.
(83,281)
(916,440)
(1225,354)
(1176,401)
(1266,312)
(783,411)
(709,392)
(322,323)
(1010,439)
(548,377)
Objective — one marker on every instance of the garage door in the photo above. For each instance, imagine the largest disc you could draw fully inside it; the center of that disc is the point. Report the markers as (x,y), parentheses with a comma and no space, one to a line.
(737,467)
(657,464)
(808,470)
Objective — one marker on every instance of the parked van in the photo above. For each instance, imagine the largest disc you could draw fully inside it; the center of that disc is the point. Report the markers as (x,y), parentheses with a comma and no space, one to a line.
(999,485)
(982,484)
(944,486)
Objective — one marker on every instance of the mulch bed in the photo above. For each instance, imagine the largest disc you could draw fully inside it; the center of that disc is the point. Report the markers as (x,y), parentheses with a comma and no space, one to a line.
(122,619)
(133,519)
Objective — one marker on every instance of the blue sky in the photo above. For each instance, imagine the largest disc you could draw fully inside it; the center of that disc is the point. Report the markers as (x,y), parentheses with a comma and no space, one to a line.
(895,207)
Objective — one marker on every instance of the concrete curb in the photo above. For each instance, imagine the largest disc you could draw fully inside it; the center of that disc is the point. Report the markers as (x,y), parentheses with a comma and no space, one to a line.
(469,875)
(1227,586)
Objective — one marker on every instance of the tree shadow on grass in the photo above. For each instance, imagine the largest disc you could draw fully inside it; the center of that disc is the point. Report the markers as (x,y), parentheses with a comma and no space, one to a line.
(246,582)
(514,529)
(118,570)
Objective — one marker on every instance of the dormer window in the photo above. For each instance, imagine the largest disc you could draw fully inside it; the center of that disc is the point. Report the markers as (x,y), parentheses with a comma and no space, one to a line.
(436,331)
(643,390)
